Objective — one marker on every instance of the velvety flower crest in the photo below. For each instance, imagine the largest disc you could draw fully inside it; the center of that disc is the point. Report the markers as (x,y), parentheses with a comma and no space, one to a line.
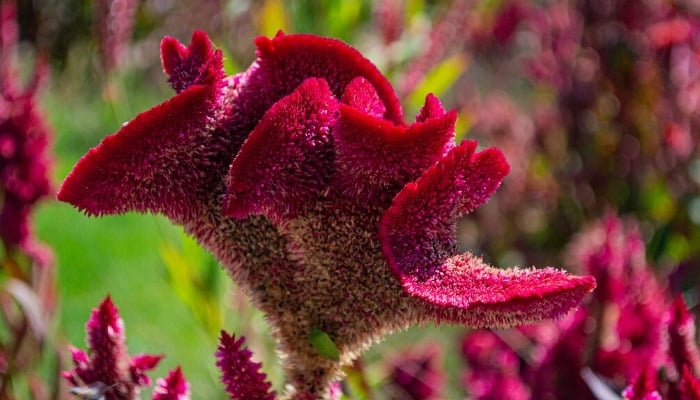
(335,216)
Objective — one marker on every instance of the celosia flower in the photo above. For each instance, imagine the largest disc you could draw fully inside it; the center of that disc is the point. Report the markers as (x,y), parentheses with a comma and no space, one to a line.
(240,374)
(172,387)
(107,366)
(644,387)
(493,368)
(114,21)
(332,214)
(689,385)
(24,143)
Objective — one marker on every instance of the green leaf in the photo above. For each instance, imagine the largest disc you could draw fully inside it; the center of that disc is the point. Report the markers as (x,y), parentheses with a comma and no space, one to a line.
(324,344)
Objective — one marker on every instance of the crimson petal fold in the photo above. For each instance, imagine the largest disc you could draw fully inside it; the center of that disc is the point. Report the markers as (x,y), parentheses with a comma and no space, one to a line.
(162,161)
(286,162)
(418,239)
(385,156)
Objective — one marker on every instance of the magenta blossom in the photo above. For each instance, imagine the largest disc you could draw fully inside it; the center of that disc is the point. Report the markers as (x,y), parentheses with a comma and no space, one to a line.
(417,374)
(24,146)
(241,376)
(107,367)
(301,177)
(172,387)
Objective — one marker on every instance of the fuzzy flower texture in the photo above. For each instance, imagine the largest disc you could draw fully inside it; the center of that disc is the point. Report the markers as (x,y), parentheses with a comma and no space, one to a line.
(334,216)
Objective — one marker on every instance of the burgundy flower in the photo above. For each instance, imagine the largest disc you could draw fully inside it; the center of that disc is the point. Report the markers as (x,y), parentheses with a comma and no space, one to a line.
(24,145)
(107,367)
(689,385)
(682,341)
(301,177)
(172,387)
(644,387)
(240,374)
(493,368)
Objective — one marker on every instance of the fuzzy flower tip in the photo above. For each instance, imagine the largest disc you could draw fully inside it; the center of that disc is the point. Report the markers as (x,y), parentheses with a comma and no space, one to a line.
(241,376)
(301,177)
(107,369)
(172,387)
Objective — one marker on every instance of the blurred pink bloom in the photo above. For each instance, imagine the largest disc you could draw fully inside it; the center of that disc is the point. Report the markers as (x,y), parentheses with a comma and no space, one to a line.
(390,18)
(493,368)
(114,23)
(417,374)
(24,146)
(107,366)
(172,387)
(644,387)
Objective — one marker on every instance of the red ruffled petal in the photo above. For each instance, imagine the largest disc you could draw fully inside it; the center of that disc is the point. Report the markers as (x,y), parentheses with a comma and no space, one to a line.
(466,290)
(286,161)
(375,157)
(165,160)
(418,239)
(287,60)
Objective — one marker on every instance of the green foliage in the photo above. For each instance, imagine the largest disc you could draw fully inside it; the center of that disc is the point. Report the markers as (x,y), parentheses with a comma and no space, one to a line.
(196,280)
(324,344)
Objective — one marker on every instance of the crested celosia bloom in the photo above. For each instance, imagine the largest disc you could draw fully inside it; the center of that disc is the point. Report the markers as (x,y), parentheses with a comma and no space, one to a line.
(335,216)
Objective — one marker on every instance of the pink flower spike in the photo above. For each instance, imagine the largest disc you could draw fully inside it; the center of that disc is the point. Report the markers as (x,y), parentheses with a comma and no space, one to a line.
(198,63)
(689,385)
(421,249)
(240,374)
(284,165)
(172,387)
(683,348)
(107,367)
(107,340)
(142,363)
